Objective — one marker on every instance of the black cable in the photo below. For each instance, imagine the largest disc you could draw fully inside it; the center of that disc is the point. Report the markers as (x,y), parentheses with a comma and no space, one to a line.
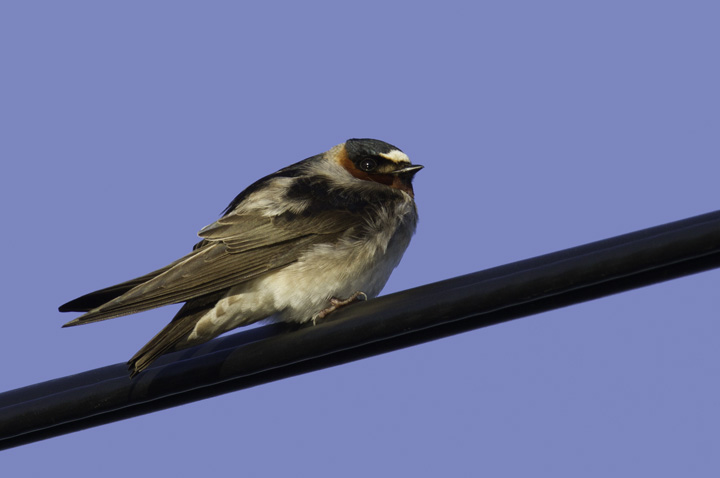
(388,323)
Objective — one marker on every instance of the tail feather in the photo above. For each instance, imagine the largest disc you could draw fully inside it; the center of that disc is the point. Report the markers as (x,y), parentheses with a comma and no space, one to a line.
(173,336)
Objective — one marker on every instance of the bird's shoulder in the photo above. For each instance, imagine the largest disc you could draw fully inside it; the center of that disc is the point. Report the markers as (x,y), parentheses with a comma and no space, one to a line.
(269,184)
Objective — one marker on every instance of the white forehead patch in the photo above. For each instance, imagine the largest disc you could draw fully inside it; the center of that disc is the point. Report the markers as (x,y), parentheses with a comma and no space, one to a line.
(396,156)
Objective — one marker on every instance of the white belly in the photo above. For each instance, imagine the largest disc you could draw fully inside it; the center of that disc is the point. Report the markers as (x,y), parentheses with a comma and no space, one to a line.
(301,290)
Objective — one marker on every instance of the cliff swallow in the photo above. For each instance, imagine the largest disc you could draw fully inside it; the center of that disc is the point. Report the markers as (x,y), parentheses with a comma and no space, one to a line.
(294,246)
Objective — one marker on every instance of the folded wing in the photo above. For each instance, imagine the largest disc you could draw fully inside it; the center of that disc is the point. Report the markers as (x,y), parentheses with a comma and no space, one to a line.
(235,249)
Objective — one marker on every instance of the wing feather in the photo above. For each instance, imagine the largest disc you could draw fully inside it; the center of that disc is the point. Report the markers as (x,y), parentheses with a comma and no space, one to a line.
(235,249)
(95,299)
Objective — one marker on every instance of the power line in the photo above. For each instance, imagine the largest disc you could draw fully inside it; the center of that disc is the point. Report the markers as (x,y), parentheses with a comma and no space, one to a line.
(385,324)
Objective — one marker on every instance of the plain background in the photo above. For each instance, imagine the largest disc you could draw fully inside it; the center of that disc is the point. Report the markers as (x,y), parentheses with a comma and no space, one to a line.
(128,126)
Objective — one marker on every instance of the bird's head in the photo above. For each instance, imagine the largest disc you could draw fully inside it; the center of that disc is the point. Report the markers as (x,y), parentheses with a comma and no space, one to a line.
(377,161)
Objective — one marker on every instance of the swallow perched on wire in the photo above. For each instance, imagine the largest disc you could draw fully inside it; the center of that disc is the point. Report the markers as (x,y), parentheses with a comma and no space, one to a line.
(295,246)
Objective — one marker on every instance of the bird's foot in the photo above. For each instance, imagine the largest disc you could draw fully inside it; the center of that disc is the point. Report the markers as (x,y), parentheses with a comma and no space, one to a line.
(336,303)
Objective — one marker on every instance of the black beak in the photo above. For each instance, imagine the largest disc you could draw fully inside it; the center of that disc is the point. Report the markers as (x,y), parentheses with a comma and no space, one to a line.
(408,170)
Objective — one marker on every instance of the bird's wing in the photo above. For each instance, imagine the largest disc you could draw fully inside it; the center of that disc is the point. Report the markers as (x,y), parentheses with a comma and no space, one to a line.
(97,298)
(236,248)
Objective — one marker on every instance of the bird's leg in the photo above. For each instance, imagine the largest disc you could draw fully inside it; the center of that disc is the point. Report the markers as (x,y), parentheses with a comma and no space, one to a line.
(336,303)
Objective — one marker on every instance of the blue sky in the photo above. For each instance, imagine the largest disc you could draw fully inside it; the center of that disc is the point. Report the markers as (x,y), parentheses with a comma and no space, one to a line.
(542,125)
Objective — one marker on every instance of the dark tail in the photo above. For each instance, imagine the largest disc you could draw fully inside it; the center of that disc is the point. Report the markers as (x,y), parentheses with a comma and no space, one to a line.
(174,336)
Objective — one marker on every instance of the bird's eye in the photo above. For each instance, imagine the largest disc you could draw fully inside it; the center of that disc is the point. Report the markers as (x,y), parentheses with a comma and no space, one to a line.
(368,164)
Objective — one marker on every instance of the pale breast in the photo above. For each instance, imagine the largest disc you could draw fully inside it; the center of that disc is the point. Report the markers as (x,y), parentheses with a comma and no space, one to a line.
(353,264)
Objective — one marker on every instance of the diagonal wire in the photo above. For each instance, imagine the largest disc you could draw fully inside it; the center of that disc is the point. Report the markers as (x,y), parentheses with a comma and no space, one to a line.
(385,324)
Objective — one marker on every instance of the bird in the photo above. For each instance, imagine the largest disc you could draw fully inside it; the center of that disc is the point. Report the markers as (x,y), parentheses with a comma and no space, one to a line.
(292,247)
